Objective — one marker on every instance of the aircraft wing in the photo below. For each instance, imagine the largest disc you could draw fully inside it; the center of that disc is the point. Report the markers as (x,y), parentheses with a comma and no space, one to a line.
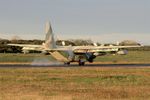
(26,45)
(102,47)
(120,47)
(84,49)
(59,48)
(75,48)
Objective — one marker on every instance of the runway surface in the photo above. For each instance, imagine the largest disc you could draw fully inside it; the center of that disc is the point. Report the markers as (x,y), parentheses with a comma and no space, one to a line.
(73,65)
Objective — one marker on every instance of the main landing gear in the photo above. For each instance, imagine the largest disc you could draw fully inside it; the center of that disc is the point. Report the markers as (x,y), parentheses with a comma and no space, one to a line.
(67,63)
(81,63)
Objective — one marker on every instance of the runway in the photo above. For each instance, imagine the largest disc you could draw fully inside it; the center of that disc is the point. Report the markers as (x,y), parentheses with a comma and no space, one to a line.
(73,65)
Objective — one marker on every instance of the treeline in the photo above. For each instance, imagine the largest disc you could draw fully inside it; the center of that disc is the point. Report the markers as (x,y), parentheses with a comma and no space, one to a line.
(143,48)
(4,48)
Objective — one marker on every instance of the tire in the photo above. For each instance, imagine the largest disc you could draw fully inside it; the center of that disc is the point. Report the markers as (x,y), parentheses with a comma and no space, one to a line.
(67,63)
(81,63)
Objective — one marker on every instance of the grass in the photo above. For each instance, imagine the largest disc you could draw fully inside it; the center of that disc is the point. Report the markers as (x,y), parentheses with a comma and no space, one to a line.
(75,83)
(131,57)
(12,57)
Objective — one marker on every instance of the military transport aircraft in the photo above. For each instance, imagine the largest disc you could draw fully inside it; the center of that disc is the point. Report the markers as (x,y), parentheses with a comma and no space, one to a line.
(79,54)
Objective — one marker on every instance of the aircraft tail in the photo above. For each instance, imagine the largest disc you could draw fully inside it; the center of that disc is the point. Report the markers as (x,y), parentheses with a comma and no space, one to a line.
(49,39)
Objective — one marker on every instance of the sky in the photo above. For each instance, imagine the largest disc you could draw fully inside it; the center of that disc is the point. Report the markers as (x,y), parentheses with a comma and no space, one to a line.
(103,21)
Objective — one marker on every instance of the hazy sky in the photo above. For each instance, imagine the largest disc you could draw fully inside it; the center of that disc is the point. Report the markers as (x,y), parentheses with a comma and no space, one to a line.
(99,20)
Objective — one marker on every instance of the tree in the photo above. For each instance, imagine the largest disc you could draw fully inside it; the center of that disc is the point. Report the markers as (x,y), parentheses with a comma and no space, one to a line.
(128,42)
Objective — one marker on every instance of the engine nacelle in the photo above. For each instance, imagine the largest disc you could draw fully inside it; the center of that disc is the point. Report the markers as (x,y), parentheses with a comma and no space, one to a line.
(28,48)
(25,51)
(99,53)
(96,54)
(45,52)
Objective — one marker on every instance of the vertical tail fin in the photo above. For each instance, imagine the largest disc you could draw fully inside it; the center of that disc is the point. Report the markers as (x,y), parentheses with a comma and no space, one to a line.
(49,39)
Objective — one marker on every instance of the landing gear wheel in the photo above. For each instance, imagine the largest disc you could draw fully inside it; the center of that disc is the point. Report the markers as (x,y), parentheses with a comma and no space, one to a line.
(81,63)
(67,63)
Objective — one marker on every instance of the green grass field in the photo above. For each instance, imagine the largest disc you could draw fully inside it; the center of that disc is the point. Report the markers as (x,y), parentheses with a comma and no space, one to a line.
(132,56)
(75,83)
(19,57)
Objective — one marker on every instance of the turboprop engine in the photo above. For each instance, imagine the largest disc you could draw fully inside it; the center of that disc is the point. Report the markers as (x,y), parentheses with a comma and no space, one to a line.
(45,52)
(25,50)
(99,53)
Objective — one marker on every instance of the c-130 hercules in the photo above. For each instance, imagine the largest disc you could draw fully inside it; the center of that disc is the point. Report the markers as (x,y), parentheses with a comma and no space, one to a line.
(79,54)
